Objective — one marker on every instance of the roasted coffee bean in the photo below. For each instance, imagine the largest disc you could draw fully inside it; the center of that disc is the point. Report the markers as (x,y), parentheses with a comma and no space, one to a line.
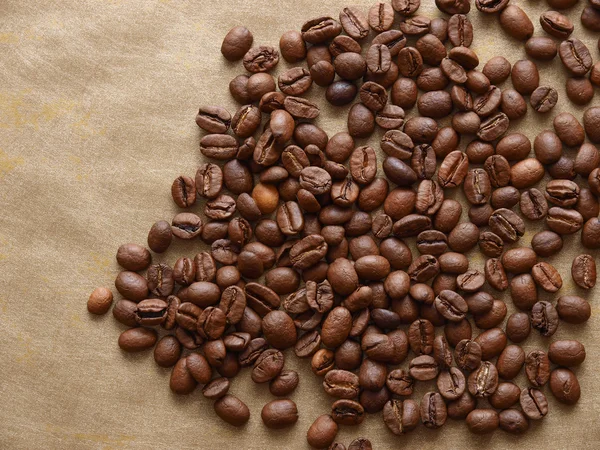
(132,286)
(251,353)
(547,277)
(518,327)
(567,353)
(483,381)
(544,318)
(451,305)
(575,56)
(515,22)
(543,99)
(268,365)
(541,47)
(279,414)
(341,384)
(451,383)
(533,204)
(236,43)
(573,309)
(232,410)
(209,180)
(564,221)
(459,409)
(292,46)
(534,403)
(565,386)
(537,368)
(137,339)
(400,416)
(506,224)
(583,271)
(591,118)
(513,421)
(421,334)
(433,410)
(519,260)
(347,412)
(423,368)
(506,395)
(467,354)
(490,244)
(493,127)
(100,301)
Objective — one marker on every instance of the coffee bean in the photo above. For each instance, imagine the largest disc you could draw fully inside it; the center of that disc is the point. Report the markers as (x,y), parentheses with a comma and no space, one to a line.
(433,410)
(506,395)
(591,119)
(381,17)
(400,416)
(459,409)
(232,410)
(544,318)
(513,421)
(583,271)
(482,421)
(575,56)
(347,412)
(279,414)
(565,386)
(236,43)
(451,383)
(573,309)
(537,368)
(100,301)
(483,381)
(515,22)
(467,354)
(534,403)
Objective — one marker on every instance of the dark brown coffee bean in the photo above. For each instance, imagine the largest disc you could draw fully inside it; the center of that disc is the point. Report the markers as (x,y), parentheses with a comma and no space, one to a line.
(575,56)
(421,334)
(341,384)
(410,62)
(564,221)
(515,22)
(573,309)
(451,383)
(133,257)
(543,99)
(132,286)
(493,127)
(401,417)
(506,224)
(591,118)
(137,339)
(544,318)
(236,43)
(518,327)
(483,381)
(467,354)
(583,271)
(433,410)
(567,353)
(347,412)
(279,414)
(459,409)
(547,277)
(565,386)
(537,368)
(534,403)
(533,204)
(232,410)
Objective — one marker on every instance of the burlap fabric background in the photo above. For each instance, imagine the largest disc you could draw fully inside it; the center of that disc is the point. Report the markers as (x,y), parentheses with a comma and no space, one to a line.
(97,105)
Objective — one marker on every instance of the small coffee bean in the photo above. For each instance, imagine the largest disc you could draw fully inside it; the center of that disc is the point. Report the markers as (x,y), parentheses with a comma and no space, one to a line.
(400,416)
(518,327)
(347,412)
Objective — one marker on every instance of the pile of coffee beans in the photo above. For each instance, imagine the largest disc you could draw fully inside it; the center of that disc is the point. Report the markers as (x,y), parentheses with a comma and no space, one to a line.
(359,265)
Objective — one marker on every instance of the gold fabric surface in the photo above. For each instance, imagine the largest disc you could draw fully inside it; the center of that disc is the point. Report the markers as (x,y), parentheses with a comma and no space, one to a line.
(97,106)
